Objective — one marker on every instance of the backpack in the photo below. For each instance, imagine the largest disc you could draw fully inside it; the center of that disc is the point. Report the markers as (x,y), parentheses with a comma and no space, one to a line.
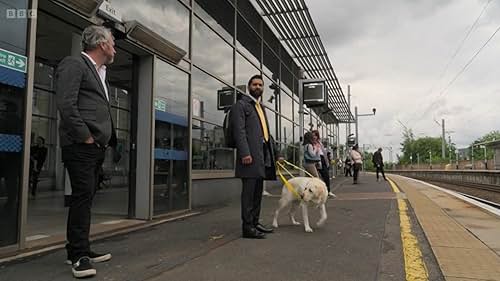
(227,127)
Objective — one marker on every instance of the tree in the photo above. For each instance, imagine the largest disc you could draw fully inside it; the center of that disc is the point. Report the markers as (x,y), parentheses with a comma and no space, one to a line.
(415,149)
(479,152)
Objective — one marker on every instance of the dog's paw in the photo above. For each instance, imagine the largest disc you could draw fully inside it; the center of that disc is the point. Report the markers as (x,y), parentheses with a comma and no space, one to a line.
(320,223)
(295,223)
(275,224)
(308,229)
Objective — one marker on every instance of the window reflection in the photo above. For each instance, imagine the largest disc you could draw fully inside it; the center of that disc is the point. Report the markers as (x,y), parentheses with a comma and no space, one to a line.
(249,43)
(208,150)
(271,64)
(211,52)
(219,14)
(286,105)
(244,70)
(168,18)
(171,132)
(270,97)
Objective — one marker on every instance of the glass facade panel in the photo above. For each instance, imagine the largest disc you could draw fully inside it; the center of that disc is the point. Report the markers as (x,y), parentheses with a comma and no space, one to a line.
(271,119)
(171,132)
(249,43)
(169,18)
(211,53)
(244,70)
(270,97)
(219,14)
(286,105)
(208,152)
(12,93)
(271,64)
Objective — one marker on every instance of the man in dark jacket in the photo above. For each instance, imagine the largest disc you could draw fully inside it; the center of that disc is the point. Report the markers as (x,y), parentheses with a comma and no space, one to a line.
(85,131)
(255,155)
(378,162)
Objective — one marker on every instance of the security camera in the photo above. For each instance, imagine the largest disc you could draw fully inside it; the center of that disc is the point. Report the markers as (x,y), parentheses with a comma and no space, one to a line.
(374,110)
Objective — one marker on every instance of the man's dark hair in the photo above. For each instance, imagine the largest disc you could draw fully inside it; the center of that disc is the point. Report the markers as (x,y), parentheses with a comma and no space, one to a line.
(256,76)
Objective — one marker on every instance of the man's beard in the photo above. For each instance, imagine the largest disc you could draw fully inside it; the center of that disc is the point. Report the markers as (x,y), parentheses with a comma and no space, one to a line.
(109,60)
(256,93)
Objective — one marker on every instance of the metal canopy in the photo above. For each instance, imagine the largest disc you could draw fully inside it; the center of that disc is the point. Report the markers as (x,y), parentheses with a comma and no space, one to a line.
(293,25)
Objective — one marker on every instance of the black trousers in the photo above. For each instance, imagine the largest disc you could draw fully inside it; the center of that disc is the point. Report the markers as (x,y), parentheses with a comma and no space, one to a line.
(251,198)
(325,176)
(380,169)
(357,167)
(348,171)
(82,162)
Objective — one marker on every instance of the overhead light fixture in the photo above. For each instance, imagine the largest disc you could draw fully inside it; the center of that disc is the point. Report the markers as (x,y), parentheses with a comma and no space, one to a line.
(145,36)
(87,8)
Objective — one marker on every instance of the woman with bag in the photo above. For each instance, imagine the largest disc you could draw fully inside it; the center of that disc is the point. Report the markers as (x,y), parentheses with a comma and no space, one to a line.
(312,158)
(357,159)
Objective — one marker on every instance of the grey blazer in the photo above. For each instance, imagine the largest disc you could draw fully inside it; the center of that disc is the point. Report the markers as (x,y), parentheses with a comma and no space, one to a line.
(82,103)
(248,136)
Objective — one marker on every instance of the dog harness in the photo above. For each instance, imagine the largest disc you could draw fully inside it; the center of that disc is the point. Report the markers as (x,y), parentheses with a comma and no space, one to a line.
(288,185)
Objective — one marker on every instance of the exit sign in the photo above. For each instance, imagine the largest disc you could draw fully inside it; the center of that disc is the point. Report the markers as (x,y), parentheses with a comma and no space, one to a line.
(13,61)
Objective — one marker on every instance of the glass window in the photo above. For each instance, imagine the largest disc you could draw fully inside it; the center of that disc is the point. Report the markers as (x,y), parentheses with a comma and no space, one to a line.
(211,52)
(250,14)
(286,77)
(204,93)
(244,70)
(171,132)
(44,77)
(249,43)
(286,105)
(296,112)
(208,150)
(270,97)
(271,119)
(219,14)
(286,131)
(271,39)
(271,64)
(13,30)
(296,135)
(168,18)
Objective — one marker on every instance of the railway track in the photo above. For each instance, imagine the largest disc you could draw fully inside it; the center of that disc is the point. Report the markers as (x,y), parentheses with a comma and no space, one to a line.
(488,194)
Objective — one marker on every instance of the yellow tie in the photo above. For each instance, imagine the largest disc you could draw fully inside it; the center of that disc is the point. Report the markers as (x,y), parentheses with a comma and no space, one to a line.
(263,123)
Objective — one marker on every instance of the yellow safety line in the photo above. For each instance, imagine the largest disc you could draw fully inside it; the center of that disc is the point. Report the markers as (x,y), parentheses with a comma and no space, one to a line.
(414,265)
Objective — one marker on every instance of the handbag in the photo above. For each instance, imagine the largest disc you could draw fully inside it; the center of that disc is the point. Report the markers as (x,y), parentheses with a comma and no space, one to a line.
(309,158)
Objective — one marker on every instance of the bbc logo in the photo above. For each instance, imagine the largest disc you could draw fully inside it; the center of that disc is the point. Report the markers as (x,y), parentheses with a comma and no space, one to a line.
(21,13)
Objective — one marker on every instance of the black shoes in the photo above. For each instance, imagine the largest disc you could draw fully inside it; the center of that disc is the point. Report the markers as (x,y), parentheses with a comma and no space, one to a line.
(253,233)
(82,268)
(263,229)
(94,257)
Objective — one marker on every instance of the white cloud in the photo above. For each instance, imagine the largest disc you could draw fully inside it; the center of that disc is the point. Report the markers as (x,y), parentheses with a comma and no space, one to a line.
(392,53)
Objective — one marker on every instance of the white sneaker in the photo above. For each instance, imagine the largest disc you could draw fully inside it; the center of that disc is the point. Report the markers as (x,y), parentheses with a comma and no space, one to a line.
(265,193)
(331,194)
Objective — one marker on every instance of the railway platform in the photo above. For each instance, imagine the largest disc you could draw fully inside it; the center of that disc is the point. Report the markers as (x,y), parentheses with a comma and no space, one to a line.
(398,230)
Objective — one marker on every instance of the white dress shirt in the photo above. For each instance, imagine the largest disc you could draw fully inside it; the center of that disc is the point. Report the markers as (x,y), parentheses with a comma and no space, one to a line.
(101,71)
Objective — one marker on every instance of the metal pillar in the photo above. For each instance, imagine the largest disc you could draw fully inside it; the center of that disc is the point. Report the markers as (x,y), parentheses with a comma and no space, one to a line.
(443,153)
(356,120)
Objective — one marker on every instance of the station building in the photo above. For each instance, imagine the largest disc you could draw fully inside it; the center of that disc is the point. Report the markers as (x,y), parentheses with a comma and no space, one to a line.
(173,58)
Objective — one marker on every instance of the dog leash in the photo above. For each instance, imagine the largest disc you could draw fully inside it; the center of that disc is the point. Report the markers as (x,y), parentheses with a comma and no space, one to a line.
(285,181)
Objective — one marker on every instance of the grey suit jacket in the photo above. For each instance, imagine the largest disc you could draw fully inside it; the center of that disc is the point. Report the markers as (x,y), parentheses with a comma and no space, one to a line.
(248,136)
(82,103)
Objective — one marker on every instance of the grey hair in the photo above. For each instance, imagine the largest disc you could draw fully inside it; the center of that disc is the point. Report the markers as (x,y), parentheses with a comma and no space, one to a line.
(94,35)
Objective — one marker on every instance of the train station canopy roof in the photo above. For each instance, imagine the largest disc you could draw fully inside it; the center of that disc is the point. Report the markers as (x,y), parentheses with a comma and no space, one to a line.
(294,27)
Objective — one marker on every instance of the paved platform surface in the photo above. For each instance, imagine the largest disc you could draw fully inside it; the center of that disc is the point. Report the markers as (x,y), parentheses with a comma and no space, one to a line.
(464,238)
(360,241)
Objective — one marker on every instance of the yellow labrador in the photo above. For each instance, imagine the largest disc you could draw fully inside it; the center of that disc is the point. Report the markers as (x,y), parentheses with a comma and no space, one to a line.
(312,191)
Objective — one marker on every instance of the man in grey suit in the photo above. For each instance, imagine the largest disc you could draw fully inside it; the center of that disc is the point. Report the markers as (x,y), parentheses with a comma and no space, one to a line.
(86,129)
(255,155)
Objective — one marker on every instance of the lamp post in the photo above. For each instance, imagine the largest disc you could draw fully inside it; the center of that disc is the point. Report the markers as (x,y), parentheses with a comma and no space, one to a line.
(411,161)
(456,157)
(356,116)
(472,156)
(418,160)
(430,159)
(485,160)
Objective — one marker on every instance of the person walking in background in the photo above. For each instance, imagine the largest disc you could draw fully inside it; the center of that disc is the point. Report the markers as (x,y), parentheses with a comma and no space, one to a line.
(312,159)
(378,162)
(324,171)
(357,159)
(255,154)
(38,154)
(348,167)
(86,130)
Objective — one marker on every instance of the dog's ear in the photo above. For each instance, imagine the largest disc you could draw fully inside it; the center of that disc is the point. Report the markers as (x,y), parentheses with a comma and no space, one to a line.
(320,194)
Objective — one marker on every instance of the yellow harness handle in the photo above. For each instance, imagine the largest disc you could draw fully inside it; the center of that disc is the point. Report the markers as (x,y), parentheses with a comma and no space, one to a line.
(285,181)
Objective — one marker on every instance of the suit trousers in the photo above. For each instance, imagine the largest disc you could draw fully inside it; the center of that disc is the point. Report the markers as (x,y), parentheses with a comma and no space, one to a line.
(251,198)
(82,162)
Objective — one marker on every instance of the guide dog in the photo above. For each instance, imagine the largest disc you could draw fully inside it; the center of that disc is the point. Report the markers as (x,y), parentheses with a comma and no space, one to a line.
(312,191)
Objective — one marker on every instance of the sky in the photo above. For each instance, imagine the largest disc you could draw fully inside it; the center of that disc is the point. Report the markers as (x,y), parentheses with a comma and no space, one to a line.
(397,56)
